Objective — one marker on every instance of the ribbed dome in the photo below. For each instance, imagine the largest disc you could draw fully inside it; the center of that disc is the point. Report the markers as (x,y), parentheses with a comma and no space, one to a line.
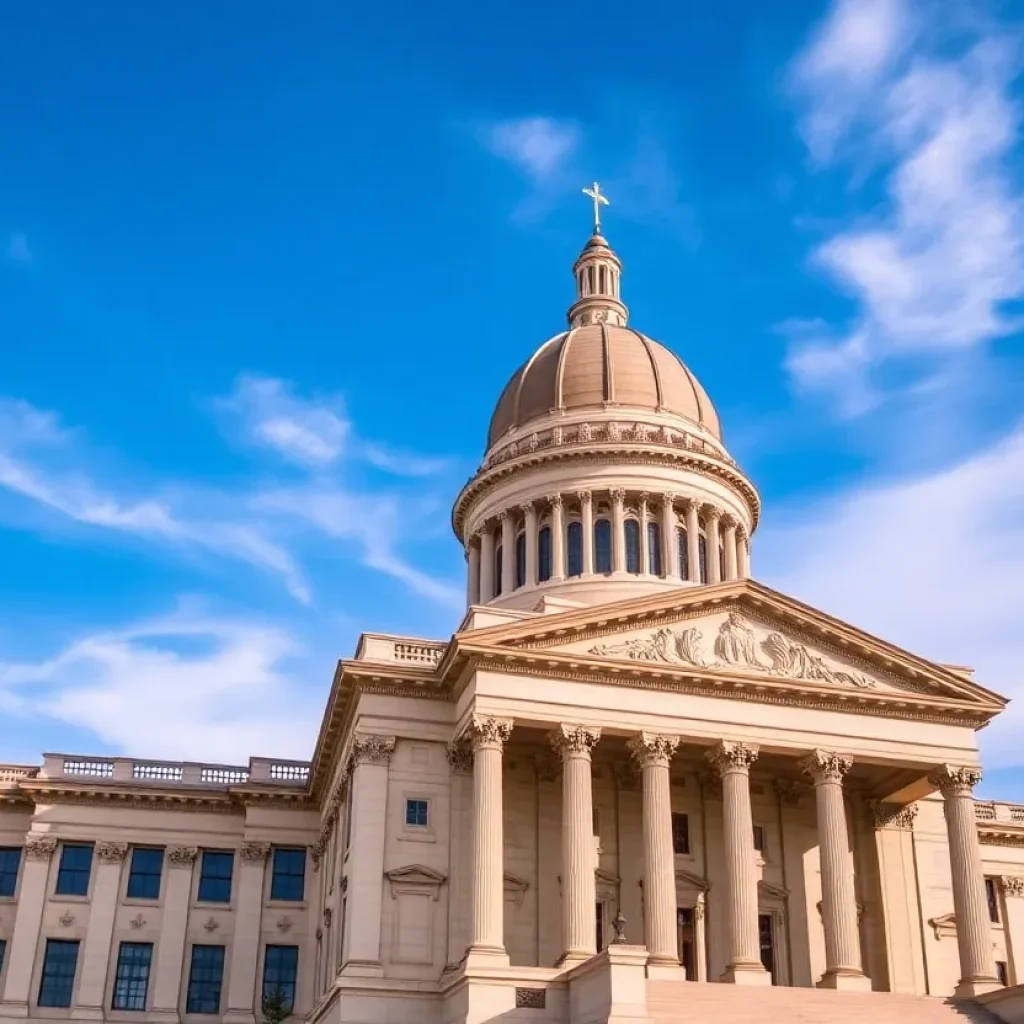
(598,365)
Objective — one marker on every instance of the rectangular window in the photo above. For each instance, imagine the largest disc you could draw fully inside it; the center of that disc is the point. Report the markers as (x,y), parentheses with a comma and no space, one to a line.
(144,877)
(10,861)
(215,878)
(992,897)
(58,980)
(204,979)
(759,840)
(280,971)
(416,812)
(1001,972)
(3,954)
(75,866)
(680,833)
(288,881)
(599,924)
(131,981)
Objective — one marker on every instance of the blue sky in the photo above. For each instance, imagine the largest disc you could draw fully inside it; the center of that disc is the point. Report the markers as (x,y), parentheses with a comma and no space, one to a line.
(264,270)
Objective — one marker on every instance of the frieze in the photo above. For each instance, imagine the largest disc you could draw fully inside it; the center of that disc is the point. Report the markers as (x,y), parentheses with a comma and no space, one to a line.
(893,816)
(182,856)
(40,847)
(112,852)
(1013,885)
(254,853)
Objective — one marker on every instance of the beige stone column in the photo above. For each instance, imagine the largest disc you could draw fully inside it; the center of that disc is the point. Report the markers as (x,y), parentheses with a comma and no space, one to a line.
(574,743)
(652,754)
(21,950)
(170,951)
(732,761)
(693,540)
(700,940)
(711,517)
(369,761)
(246,948)
(530,529)
(486,565)
(729,539)
(95,957)
(508,552)
(473,569)
(487,946)
(1013,926)
(973,930)
(669,538)
(557,537)
(460,757)
(838,898)
(587,520)
(743,554)
(618,530)
(645,544)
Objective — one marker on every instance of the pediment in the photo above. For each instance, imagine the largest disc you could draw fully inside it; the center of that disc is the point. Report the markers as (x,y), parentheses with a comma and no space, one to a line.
(415,874)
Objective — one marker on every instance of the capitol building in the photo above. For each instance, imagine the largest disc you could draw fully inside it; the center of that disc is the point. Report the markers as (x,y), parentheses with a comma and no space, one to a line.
(634,785)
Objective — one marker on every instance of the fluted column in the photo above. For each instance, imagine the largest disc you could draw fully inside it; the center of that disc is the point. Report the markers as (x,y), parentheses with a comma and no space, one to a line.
(743,554)
(530,526)
(557,537)
(488,736)
(473,569)
(486,565)
(618,530)
(508,552)
(838,899)
(669,538)
(732,761)
(700,943)
(645,544)
(652,754)
(587,519)
(729,540)
(712,516)
(88,1004)
(693,540)
(973,930)
(574,743)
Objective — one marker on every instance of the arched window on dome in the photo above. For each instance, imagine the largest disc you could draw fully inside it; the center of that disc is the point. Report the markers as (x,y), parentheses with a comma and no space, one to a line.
(604,280)
(702,548)
(591,283)
(682,543)
(602,545)
(632,531)
(544,554)
(721,560)
(574,548)
(497,569)
(653,548)
(521,560)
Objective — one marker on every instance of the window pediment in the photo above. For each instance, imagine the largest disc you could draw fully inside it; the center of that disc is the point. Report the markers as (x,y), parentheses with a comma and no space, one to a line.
(415,877)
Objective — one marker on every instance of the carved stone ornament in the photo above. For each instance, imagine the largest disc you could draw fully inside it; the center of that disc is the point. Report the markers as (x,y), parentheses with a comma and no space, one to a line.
(138,921)
(730,757)
(711,784)
(182,856)
(790,791)
(371,749)
(212,924)
(574,740)
(112,852)
(546,766)
(328,916)
(893,815)
(40,847)
(460,757)
(585,497)
(284,925)
(826,766)
(955,780)
(555,500)
(651,750)
(625,774)
(1013,885)
(254,853)
(67,919)
(490,733)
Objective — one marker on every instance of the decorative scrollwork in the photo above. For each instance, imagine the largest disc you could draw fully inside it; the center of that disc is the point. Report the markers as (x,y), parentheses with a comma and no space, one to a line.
(574,740)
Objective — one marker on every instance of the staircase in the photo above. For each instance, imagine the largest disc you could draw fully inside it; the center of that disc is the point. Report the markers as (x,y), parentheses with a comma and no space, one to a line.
(694,1002)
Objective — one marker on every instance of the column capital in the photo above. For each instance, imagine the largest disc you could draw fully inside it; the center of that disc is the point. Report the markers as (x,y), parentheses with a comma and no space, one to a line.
(585,497)
(729,757)
(39,847)
(570,740)
(368,748)
(182,856)
(711,512)
(111,852)
(826,766)
(670,497)
(503,515)
(618,494)
(729,521)
(527,508)
(893,816)
(489,733)
(460,757)
(652,749)
(1013,885)
(554,500)
(254,853)
(955,780)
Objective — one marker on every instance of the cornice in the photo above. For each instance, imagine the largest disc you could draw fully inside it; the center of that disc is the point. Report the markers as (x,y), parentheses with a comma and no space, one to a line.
(990,834)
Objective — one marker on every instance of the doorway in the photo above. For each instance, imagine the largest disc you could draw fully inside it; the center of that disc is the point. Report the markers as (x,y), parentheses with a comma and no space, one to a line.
(766,940)
(685,938)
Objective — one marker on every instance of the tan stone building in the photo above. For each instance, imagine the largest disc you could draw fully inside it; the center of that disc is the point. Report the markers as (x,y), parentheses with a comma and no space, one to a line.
(632,769)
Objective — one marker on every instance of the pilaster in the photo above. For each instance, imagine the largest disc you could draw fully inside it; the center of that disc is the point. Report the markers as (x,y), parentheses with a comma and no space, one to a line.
(557,537)
(1013,926)
(246,946)
(460,840)
(693,540)
(170,952)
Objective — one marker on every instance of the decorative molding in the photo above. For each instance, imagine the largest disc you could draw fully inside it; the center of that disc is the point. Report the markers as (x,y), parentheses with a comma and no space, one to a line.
(691,881)
(138,921)
(113,853)
(39,847)
(944,926)
(460,757)
(826,766)
(1013,885)
(728,757)
(574,740)
(515,888)
(531,999)
(893,816)
(182,856)
(652,750)
(67,919)
(368,748)
(955,780)
(415,878)
(284,925)
(489,733)
(328,916)
(211,924)
(254,853)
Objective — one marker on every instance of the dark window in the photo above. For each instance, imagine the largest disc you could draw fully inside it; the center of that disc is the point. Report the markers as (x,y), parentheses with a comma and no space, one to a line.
(3,954)
(684,553)
(599,923)
(992,896)
(721,563)
(602,546)
(288,881)
(215,877)
(680,833)
(632,531)
(497,569)
(702,554)
(575,552)
(280,969)
(1001,972)
(10,861)
(685,938)
(766,940)
(204,979)
(759,840)
(416,812)
(144,877)
(521,560)
(132,979)
(654,549)
(544,554)
(58,979)
(73,874)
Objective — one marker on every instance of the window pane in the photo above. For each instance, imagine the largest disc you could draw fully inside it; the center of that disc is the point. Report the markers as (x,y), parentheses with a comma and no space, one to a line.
(132,979)
(416,812)
(684,552)
(632,531)
(10,860)
(575,549)
(680,833)
(992,896)
(654,549)
(289,878)
(521,560)
(75,865)
(144,877)
(215,879)
(602,546)
(58,979)
(544,554)
(280,970)
(497,569)
(204,979)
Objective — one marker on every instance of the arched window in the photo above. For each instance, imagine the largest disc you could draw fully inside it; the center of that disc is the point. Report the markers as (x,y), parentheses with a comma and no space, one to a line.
(682,542)
(632,531)
(575,546)
(544,554)
(497,569)
(591,284)
(604,280)
(702,547)
(721,561)
(602,546)
(653,549)
(521,560)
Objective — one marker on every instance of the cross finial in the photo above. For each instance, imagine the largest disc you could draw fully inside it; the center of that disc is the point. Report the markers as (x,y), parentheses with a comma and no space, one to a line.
(600,199)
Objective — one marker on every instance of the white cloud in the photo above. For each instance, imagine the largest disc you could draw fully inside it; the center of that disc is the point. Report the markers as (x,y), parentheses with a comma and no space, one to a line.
(401,463)
(537,146)
(934,563)
(18,250)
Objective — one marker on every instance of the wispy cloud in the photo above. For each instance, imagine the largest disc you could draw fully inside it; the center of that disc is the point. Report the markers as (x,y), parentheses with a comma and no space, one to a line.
(18,250)
(537,146)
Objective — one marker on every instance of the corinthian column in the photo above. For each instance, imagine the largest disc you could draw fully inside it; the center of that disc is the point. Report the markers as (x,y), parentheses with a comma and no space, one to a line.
(579,931)
(973,930)
(508,552)
(618,530)
(652,754)
(693,541)
(557,538)
(729,541)
(743,554)
(587,521)
(712,517)
(732,761)
(530,527)
(669,537)
(486,565)
(488,736)
(838,899)
(473,569)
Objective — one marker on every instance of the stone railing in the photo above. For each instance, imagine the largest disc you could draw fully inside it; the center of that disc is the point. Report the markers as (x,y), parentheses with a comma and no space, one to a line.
(403,651)
(999,812)
(265,771)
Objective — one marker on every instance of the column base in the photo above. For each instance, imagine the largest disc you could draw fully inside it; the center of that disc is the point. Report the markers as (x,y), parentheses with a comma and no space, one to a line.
(485,957)
(362,969)
(969,988)
(746,974)
(665,970)
(845,980)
